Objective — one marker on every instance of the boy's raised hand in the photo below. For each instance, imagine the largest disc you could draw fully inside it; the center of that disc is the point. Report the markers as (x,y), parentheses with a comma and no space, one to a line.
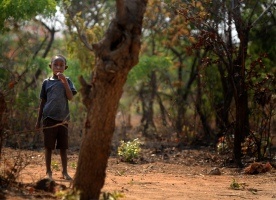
(61,77)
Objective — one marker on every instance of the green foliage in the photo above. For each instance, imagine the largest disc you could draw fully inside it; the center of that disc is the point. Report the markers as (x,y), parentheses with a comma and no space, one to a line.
(90,23)
(18,9)
(77,50)
(55,165)
(39,63)
(111,196)
(73,165)
(146,65)
(3,74)
(129,151)
(263,42)
(235,185)
(68,194)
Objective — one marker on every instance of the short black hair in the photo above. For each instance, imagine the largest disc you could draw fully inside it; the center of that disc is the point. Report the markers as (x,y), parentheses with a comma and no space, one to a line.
(59,56)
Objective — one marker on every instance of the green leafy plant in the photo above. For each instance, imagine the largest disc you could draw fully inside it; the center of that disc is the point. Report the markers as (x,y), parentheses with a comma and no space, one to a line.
(68,194)
(111,196)
(129,151)
(234,185)
(237,186)
(74,165)
(55,165)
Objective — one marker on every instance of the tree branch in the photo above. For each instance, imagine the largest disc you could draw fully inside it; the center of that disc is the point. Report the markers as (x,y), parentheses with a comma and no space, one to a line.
(120,10)
(81,34)
(266,10)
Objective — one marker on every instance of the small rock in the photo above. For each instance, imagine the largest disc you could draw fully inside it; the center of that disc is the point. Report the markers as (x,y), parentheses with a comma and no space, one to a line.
(166,157)
(204,171)
(215,171)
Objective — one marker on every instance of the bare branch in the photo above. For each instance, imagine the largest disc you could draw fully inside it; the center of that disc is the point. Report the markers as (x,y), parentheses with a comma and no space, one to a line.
(82,35)
(46,26)
(266,10)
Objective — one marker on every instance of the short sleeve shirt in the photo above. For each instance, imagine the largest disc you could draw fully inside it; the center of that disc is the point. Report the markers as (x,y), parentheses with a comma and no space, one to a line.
(56,106)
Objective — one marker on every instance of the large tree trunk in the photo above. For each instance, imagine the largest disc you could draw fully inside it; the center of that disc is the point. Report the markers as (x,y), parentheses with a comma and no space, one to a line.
(241,126)
(241,102)
(240,91)
(116,54)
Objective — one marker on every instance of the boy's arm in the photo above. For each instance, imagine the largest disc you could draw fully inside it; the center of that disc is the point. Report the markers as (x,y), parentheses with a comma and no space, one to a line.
(40,110)
(69,93)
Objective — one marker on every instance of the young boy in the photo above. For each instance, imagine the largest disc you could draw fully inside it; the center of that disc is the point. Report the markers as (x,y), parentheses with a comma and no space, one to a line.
(54,112)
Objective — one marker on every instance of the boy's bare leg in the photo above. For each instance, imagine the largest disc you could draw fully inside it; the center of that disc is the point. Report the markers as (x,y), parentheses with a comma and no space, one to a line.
(63,156)
(48,157)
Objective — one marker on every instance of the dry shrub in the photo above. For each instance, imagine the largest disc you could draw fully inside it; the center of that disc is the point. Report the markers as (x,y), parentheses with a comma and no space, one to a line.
(257,167)
(11,167)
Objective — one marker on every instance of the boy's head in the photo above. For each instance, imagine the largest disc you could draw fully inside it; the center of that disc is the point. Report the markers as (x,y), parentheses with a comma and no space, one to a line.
(58,64)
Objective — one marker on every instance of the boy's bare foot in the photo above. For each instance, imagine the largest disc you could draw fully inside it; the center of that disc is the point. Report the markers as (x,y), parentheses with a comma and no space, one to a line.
(49,175)
(66,176)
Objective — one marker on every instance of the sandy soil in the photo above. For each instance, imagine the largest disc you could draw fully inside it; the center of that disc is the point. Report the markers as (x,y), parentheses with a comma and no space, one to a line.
(171,174)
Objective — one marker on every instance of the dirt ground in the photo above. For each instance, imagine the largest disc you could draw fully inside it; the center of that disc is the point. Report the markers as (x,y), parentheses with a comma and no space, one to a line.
(167,174)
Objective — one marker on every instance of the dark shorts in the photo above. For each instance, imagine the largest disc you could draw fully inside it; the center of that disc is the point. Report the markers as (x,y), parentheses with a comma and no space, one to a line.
(57,136)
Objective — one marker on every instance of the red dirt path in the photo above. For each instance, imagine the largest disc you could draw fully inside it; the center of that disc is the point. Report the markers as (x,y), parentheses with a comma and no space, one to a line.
(177,175)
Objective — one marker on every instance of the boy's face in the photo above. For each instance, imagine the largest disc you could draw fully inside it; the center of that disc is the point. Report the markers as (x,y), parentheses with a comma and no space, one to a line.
(58,65)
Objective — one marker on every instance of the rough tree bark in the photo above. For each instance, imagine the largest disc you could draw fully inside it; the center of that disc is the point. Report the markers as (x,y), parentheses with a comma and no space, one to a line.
(115,55)
(240,91)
